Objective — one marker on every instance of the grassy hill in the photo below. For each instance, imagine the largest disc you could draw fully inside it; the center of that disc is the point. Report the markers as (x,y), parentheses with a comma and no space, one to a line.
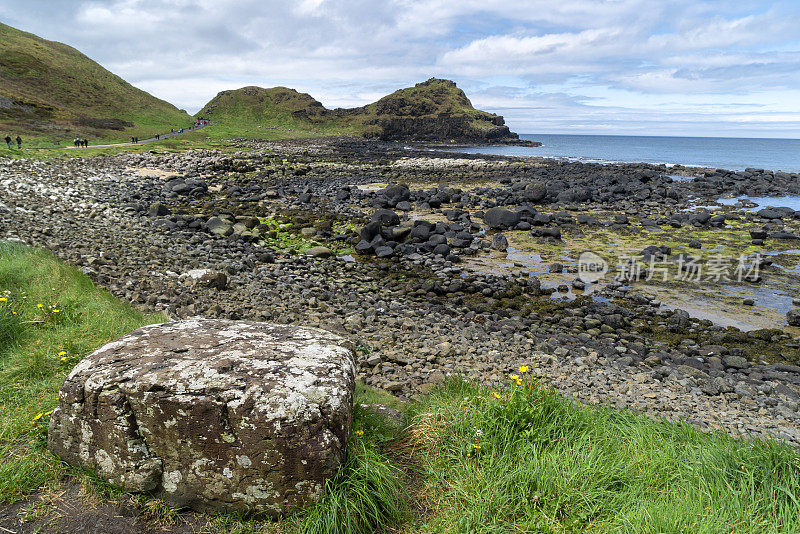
(273,113)
(50,91)
(435,110)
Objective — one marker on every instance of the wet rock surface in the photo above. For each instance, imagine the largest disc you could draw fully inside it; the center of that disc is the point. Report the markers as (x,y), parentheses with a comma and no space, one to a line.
(409,299)
(212,414)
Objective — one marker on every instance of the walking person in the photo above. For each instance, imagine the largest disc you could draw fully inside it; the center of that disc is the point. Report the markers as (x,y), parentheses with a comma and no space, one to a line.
(8,141)
(19,143)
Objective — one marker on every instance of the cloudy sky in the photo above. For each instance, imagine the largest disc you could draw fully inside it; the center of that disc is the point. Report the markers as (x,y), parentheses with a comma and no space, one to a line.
(648,67)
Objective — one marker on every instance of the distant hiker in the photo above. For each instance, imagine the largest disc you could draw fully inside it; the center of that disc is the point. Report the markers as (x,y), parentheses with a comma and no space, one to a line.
(158,136)
(85,143)
(8,141)
(19,143)
(77,141)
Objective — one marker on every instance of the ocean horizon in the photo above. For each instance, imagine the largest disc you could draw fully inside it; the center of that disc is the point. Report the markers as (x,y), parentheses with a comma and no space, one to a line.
(733,153)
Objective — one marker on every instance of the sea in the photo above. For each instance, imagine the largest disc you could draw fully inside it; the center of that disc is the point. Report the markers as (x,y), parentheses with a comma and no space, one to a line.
(715,152)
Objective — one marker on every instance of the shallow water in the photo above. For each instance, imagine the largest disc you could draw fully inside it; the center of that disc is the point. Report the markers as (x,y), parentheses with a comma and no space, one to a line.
(789,201)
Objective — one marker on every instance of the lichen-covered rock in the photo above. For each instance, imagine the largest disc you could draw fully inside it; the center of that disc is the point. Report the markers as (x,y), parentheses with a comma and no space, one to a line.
(212,414)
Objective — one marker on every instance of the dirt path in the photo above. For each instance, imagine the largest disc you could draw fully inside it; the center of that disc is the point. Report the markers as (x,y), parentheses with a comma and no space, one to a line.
(143,141)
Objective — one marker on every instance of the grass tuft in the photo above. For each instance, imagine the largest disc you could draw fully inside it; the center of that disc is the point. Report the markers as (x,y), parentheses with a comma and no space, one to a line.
(367,496)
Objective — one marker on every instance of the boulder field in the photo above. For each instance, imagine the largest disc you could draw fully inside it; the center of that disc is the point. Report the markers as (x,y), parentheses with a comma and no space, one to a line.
(226,243)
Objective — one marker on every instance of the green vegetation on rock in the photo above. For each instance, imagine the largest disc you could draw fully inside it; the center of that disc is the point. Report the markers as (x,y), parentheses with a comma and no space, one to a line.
(51,92)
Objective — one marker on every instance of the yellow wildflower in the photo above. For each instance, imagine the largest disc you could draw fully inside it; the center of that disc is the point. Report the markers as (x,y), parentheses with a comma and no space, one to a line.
(359,432)
(523,369)
(514,377)
(56,311)
(519,381)
(3,299)
(496,395)
(63,358)
(476,446)
(48,413)
(62,353)
(39,416)
(40,306)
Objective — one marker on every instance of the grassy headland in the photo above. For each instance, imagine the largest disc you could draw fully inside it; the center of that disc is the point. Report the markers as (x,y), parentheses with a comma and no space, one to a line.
(51,92)
(434,110)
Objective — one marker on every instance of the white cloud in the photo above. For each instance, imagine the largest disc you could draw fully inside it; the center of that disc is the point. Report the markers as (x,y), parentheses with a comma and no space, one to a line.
(573,63)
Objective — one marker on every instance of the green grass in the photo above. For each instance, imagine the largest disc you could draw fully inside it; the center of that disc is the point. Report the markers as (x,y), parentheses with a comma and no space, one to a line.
(38,347)
(368,494)
(532,461)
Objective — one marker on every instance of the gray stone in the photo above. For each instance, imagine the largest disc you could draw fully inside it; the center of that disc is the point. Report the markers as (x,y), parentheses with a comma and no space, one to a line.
(501,218)
(320,252)
(207,278)
(735,362)
(210,414)
(499,242)
(218,226)
(386,217)
(793,317)
(158,209)
(383,251)
(395,193)
(535,192)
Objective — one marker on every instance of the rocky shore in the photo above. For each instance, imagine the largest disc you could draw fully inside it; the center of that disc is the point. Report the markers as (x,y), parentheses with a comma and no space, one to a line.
(383,243)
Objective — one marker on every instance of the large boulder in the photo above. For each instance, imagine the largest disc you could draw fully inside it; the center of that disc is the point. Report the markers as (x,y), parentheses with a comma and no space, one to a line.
(215,415)
(501,218)
(386,217)
(396,193)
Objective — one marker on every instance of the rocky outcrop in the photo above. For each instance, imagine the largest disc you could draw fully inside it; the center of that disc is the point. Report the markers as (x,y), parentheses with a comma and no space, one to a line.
(440,128)
(215,415)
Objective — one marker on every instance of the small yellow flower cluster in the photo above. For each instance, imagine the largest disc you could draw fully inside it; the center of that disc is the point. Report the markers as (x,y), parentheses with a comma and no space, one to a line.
(35,420)
(63,355)
(359,432)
